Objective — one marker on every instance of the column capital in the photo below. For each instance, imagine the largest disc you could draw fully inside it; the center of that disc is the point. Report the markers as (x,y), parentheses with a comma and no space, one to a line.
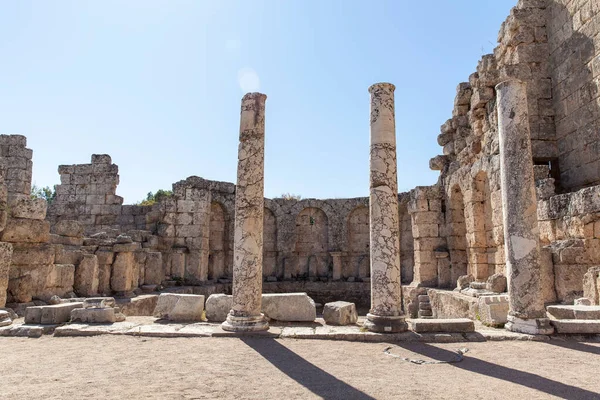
(256,96)
(382,87)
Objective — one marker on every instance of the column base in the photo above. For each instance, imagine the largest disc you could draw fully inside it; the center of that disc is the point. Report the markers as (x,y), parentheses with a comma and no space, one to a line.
(256,323)
(385,324)
(534,326)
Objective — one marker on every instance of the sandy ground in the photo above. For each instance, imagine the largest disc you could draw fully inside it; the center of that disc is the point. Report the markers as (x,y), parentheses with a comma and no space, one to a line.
(114,367)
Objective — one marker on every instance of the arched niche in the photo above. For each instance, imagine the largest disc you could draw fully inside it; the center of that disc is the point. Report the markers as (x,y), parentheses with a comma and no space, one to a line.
(312,241)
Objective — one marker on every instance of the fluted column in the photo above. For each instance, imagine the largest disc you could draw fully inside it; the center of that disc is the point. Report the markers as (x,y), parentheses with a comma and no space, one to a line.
(385,314)
(527,313)
(245,314)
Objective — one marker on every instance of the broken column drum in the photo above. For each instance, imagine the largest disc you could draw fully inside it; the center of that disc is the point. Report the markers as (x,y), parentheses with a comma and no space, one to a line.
(386,293)
(527,313)
(245,314)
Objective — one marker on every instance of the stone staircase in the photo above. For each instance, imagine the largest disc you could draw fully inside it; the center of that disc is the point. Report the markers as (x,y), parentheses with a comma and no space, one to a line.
(576,319)
(425,306)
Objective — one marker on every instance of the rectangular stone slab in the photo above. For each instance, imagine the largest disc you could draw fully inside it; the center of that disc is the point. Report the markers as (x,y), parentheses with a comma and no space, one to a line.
(574,312)
(179,307)
(576,326)
(289,307)
(49,315)
(442,325)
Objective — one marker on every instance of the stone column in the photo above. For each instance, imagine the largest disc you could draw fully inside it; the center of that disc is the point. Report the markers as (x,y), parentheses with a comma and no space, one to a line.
(245,314)
(386,293)
(521,235)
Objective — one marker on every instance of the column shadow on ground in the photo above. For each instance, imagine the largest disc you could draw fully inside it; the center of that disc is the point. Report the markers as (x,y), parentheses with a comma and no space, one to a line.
(313,378)
(522,378)
(578,346)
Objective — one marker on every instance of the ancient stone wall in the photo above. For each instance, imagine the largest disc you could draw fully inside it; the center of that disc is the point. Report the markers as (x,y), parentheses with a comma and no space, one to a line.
(302,239)
(87,193)
(573,30)
(16,160)
(88,242)
(551,45)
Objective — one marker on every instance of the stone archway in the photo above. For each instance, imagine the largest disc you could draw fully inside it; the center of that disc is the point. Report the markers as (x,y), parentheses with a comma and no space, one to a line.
(481,229)
(357,264)
(312,242)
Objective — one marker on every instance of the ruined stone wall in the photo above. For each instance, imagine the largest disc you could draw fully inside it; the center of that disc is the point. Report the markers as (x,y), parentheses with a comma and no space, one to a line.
(16,160)
(87,194)
(305,240)
(570,230)
(573,30)
(553,46)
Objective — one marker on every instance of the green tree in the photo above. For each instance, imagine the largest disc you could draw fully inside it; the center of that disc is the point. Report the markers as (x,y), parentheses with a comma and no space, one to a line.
(43,193)
(152,198)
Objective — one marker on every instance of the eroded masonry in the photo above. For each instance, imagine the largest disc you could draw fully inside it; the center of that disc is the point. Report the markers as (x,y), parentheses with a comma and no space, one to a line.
(510,231)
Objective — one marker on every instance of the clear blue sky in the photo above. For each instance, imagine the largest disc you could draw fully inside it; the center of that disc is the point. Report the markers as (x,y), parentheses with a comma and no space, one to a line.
(157,85)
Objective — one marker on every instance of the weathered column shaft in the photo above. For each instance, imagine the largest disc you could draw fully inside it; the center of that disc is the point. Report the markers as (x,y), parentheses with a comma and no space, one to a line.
(519,205)
(386,293)
(245,314)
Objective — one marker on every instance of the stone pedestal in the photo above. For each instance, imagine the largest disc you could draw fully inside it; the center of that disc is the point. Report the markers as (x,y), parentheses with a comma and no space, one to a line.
(245,314)
(386,293)
(527,313)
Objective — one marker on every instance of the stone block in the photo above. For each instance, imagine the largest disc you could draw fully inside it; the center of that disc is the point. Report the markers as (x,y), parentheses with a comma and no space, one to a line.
(569,281)
(447,304)
(464,281)
(581,327)
(60,280)
(122,272)
(105,257)
(5,262)
(67,256)
(101,159)
(458,325)
(179,307)
(574,312)
(154,274)
(126,247)
(21,230)
(28,254)
(218,306)
(97,315)
(68,228)
(25,207)
(99,302)
(493,310)
(496,283)
(86,276)
(5,318)
(143,305)
(340,313)
(65,240)
(50,315)
(290,307)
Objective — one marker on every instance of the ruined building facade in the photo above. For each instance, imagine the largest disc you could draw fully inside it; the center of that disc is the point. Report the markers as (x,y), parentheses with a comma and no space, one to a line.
(87,242)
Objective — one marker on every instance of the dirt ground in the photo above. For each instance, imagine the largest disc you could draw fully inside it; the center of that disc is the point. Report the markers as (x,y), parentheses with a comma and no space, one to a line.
(115,367)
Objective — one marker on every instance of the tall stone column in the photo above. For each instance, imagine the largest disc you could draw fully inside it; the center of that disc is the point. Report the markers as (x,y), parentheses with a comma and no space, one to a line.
(245,314)
(527,313)
(386,293)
